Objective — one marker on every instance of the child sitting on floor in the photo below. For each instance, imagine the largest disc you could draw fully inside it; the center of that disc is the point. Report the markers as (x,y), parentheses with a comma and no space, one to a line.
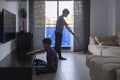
(51,57)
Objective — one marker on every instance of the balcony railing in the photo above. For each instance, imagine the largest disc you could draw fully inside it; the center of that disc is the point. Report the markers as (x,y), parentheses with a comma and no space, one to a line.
(66,40)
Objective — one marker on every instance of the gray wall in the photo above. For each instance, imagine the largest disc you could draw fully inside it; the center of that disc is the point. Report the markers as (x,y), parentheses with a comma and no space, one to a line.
(6,48)
(112,17)
(99,17)
(105,17)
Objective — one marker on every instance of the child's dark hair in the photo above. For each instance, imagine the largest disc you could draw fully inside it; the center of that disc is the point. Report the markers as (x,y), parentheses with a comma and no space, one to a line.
(66,11)
(47,41)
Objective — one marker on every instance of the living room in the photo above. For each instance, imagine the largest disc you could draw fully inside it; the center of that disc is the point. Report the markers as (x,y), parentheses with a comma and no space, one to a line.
(103,20)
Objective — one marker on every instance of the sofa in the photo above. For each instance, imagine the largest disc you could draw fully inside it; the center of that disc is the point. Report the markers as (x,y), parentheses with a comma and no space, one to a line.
(105,45)
(104,63)
(103,67)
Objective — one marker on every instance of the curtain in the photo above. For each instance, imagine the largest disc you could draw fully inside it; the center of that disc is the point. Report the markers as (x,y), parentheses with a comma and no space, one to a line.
(37,22)
(81,24)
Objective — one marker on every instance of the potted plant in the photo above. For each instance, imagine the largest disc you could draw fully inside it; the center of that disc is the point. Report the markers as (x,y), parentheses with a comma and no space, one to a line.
(23,15)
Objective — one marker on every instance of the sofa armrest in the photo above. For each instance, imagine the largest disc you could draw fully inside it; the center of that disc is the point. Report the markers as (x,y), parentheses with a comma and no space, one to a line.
(118,74)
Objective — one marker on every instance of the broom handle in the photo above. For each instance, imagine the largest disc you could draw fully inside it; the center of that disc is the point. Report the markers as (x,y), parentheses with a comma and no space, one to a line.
(69,29)
(77,39)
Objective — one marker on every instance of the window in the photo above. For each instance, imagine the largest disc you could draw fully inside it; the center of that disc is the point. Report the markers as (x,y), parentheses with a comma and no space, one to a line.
(53,10)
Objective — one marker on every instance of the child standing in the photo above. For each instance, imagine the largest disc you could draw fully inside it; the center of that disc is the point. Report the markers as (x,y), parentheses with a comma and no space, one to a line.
(59,32)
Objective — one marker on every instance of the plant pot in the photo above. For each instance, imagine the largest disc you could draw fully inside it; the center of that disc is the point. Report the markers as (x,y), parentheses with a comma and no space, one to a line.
(23,26)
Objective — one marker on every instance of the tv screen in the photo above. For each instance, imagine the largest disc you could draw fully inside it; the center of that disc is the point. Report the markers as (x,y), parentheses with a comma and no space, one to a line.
(8,26)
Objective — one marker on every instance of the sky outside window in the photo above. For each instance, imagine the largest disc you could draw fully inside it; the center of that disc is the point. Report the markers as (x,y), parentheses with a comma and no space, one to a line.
(51,11)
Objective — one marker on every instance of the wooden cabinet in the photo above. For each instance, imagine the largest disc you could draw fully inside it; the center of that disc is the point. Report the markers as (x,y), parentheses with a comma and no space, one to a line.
(24,42)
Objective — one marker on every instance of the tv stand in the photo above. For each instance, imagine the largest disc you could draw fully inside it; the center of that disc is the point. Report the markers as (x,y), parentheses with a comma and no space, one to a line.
(17,65)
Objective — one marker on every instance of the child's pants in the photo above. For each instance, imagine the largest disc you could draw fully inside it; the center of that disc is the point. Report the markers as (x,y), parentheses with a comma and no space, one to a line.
(40,67)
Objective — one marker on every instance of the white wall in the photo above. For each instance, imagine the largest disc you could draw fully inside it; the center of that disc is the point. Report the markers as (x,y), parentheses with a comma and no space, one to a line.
(104,17)
(6,48)
(112,17)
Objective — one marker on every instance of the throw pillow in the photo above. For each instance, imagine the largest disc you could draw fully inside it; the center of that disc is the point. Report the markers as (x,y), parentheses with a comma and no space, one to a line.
(92,40)
(108,41)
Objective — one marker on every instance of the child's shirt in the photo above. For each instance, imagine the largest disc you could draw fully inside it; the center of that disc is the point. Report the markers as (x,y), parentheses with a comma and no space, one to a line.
(51,56)
(60,24)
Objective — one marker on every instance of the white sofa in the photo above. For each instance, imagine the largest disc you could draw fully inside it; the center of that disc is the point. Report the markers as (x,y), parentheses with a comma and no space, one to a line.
(105,45)
(104,63)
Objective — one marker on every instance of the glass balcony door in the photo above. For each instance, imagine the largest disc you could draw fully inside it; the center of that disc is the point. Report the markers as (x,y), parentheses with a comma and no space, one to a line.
(53,10)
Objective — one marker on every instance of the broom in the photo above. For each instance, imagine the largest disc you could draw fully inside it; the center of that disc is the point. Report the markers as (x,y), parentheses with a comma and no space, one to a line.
(69,29)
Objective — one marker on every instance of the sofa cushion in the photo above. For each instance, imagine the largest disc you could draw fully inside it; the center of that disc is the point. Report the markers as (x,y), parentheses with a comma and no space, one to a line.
(102,67)
(118,33)
(108,41)
(118,74)
(112,51)
(108,71)
(96,49)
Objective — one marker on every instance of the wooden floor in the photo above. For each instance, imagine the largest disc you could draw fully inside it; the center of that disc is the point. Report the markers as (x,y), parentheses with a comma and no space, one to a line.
(74,68)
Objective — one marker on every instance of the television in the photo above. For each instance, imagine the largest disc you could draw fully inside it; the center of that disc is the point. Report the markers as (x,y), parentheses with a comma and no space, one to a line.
(7,26)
